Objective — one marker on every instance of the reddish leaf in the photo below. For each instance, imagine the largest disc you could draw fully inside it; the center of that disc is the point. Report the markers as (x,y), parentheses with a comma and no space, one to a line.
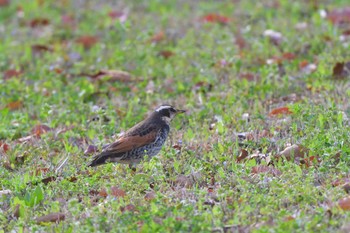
(288,56)
(103,192)
(54,217)
(158,37)
(117,192)
(243,155)
(87,41)
(4,147)
(248,76)
(11,73)
(38,49)
(15,105)
(38,22)
(122,16)
(40,129)
(266,169)
(339,16)
(129,207)
(280,111)
(4,3)
(166,54)
(216,18)
(344,203)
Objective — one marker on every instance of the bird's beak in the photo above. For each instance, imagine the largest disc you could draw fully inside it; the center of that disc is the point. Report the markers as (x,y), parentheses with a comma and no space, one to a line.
(180,111)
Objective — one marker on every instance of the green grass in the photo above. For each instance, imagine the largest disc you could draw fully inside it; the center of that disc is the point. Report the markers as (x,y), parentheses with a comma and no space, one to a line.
(201,187)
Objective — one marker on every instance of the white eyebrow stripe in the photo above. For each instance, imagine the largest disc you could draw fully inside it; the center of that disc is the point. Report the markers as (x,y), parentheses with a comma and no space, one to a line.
(163,107)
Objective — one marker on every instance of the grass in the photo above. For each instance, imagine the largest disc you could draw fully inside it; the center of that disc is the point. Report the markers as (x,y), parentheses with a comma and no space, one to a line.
(218,71)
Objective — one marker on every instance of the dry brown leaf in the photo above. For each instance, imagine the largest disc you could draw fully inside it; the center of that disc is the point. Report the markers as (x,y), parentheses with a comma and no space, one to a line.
(295,152)
(157,37)
(166,54)
(117,192)
(87,41)
(243,155)
(11,73)
(113,75)
(4,147)
(39,22)
(129,207)
(103,192)
(15,105)
(344,203)
(53,217)
(280,111)
(40,129)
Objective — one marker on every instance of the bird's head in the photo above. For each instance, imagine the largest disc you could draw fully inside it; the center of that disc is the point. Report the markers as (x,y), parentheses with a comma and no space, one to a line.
(168,112)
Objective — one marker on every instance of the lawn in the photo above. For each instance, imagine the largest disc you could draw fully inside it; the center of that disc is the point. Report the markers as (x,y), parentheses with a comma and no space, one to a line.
(263,147)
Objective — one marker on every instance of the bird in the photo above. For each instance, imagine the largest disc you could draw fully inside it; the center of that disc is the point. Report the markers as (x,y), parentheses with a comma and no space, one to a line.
(145,138)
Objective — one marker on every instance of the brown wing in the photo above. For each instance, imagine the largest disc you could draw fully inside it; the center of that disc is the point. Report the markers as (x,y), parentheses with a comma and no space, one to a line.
(127,143)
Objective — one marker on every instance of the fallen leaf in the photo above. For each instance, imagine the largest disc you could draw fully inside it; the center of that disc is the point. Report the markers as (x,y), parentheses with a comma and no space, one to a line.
(117,192)
(266,169)
(243,155)
(87,41)
(166,54)
(280,111)
(11,73)
(120,15)
(39,49)
(4,147)
(157,37)
(344,203)
(103,192)
(53,217)
(248,76)
(216,18)
(339,16)
(129,207)
(40,129)
(341,70)
(112,75)
(39,22)
(15,105)
(48,179)
(295,152)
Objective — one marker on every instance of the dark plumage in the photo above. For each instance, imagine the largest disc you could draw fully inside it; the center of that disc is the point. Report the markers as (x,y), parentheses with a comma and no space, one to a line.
(145,138)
